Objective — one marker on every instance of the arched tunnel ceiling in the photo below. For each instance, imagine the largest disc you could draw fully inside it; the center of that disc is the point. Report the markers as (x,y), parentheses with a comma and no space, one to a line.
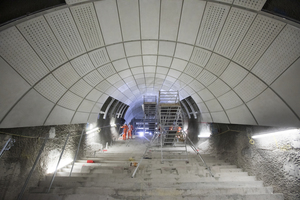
(240,65)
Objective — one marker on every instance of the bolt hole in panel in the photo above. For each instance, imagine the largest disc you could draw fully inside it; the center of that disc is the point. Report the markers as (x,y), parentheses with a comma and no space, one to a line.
(70,100)
(66,75)
(82,65)
(251,4)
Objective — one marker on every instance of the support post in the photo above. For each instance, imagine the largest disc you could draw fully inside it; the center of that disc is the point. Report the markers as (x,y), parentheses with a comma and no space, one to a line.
(75,157)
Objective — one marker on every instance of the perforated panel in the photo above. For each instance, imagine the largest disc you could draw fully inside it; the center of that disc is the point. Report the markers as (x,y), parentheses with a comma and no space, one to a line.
(196,85)
(260,35)
(238,20)
(280,55)
(217,64)
(70,2)
(206,95)
(213,105)
(107,70)
(88,26)
(99,57)
(233,74)
(250,87)
(206,78)
(70,100)
(230,100)
(93,78)
(200,56)
(81,88)
(65,30)
(27,63)
(103,86)
(40,36)
(50,88)
(218,88)
(226,1)
(82,65)
(213,20)
(66,75)
(251,4)
(192,70)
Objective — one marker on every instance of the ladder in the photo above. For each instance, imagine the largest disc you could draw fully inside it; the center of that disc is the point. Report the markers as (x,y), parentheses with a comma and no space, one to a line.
(150,113)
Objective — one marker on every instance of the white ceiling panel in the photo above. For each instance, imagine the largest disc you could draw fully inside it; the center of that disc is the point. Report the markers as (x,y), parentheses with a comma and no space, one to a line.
(166,48)
(183,94)
(125,73)
(219,117)
(110,91)
(121,65)
(119,84)
(40,36)
(99,57)
(185,78)
(196,98)
(179,84)
(103,98)
(179,64)
(70,2)
(240,115)
(183,51)
(287,86)
(233,74)
(93,78)
(80,118)
(206,117)
(192,12)
(116,51)
(218,88)
(149,14)
(27,63)
(66,75)
(164,61)
(217,64)
(13,86)
(109,21)
(189,90)
(258,38)
(230,100)
(113,79)
(226,1)
(149,69)
(60,115)
(81,88)
(202,107)
(149,47)
(206,78)
(193,70)
(133,48)
(170,15)
(251,4)
(86,106)
(200,56)
(280,55)
(107,70)
(238,20)
(135,61)
(206,95)
(32,103)
(50,88)
(250,87)
(213,105)
(196,85)
(97,108)
(129,17)
(103,86)
(174,73)
(82,65)
(93,118)
(214,17)
(149,60)
(65,30)
(94,95)
(137,70)
(87,23)
(263,109)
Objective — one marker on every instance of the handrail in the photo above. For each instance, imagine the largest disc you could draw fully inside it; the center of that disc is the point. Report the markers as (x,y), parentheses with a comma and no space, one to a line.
(133,174)
(75,157)
(195,149)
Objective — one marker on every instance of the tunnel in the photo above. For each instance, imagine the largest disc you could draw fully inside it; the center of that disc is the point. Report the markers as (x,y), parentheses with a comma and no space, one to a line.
(74,72)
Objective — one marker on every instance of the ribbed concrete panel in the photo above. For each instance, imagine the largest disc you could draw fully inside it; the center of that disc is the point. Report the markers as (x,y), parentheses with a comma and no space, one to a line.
(250,87)
(202,107)
(258,38)
(93,118)
(193,70)
(183,51)
(233,74)
(217,64)
(280,55)
(87,23)
(218,88)
(192,12)
(238,20)
(230,100)
(196,85)
(263,109)
(82,65)
(27,63)
(287,86)
(149,47)
(40,36)
(213,105)
(200,56)
(94,95)
(107,70)
(135,61)
(60,115)
(129,17)
(149,14)
(66,75)
(31,110)
(133,48)
(99,57)
(206,117)
(214,17)
(80,118)
(166,48)
(251,4)
(121,65)
(86,106)
(13,86)
(81,88)
(169,22)
(64,28)
(240,115)
(50,88)
(109,21)
(70,100)
(178,64)
(116,51)
(206,78)
(206,95)
(219,117)
(93,78)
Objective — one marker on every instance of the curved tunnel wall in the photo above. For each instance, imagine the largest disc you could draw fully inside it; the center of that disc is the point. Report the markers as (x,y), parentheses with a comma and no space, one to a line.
(239,64)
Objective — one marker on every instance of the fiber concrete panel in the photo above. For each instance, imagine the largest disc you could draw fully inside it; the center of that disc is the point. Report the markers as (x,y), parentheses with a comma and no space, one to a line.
(107,70)
(219,117)
(81,88)
(70,100)
(230,100)
(189,90)
(135,61)
(59,115)
(114,78)
(179,64)
(93,118)
(251,4)
(120,65)
(149,60)
(93,78)
(206,78)
(86,106)
(263,110)
(203,107)
(206,95)
(66,75)
(166,48)
(133,48)
(193,70)
(31,110)
(116,51)
(240,115)
(109,21)
(183,51)
(149,47)
(82,65)
(99,57)
(196,85)
(213,105)
(126,73)
(94,95)
(80,118)
(164,61)
(149,14)
(233,74)
(12,87)
(217,64)
(200,56)
(287,86)
(97,108)
(206,117)
(218,88)
(137,70)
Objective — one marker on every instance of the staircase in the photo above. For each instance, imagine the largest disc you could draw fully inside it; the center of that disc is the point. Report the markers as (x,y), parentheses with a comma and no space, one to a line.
(110,178)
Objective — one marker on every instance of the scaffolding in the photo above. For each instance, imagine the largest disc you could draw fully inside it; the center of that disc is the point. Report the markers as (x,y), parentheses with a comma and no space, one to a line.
(150,114)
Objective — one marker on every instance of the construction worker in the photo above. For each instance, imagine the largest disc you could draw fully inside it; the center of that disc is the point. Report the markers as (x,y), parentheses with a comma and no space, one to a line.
(125,129)
(130,129)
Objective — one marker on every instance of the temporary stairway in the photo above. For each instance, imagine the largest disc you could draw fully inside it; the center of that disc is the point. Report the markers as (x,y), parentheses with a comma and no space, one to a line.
(109,178)
(150,113)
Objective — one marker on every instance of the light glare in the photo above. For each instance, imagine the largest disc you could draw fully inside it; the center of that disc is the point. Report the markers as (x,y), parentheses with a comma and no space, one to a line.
(93,130)
(277,133)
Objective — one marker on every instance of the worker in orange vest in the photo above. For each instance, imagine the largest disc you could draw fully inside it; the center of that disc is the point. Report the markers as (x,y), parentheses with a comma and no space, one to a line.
(130,129)
(125,129)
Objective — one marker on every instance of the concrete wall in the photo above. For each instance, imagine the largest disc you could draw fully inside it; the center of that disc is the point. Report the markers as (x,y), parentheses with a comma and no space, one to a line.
(16,163)
(273,159)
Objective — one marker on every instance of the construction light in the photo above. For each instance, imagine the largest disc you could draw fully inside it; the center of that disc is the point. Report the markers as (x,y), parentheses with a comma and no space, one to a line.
(292,131)
(93,130)
(141,133)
